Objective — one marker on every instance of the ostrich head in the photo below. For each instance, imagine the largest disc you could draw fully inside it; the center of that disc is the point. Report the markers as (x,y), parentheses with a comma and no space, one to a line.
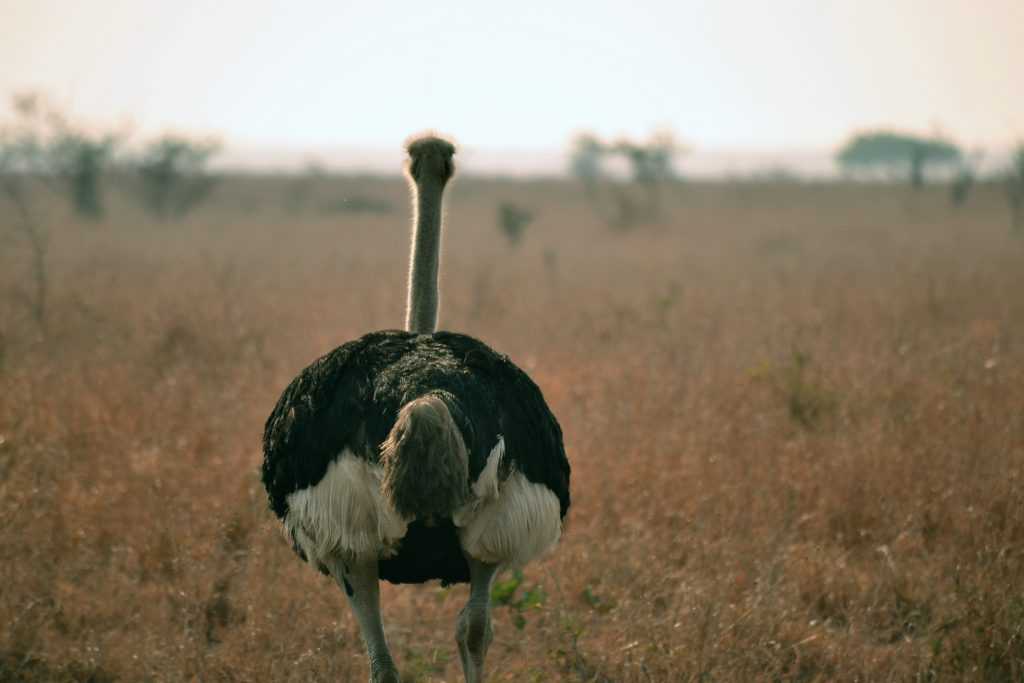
(430,159)
(429,168)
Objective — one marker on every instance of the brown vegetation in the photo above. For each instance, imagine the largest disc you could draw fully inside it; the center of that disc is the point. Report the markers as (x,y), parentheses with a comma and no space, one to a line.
(795,416)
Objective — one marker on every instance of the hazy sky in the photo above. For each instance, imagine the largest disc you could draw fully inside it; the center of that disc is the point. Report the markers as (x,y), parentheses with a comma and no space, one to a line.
(514,74)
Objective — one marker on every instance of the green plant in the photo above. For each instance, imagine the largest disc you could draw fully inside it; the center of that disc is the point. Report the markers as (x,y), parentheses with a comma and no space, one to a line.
(807,400)
(506,593)
(512,220)
(597,603)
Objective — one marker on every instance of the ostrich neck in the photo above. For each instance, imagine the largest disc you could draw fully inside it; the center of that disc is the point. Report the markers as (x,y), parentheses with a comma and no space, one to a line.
(421,309)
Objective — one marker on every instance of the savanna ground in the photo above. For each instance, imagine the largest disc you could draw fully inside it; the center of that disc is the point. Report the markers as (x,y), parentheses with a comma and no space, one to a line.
(795,415)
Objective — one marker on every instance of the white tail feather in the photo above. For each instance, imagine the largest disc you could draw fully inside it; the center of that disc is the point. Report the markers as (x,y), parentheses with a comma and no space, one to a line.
(344,514)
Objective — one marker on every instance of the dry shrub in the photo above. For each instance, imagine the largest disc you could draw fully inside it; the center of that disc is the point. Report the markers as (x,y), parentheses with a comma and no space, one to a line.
(740,513)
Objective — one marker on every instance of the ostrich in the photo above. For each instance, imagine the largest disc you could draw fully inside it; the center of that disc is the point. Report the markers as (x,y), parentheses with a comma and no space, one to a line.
(417,455)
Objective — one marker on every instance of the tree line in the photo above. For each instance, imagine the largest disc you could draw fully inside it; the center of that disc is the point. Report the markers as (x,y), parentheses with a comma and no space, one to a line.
(872,154)
(41,145)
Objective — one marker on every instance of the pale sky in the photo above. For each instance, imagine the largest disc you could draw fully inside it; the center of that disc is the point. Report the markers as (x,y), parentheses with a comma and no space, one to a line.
(520,75)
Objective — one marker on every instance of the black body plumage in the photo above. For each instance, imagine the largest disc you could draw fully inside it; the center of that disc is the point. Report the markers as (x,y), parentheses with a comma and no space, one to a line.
(350,398)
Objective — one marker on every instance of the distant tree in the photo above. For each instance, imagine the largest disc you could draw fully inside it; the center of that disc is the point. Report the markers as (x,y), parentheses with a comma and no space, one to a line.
(173,173)
(656,162)
(67,157)
(896,152)
(965,178)
(81,161)
(961,186)
(22,164)
(650,163)
(1015,189)
(22,141)
(585,162)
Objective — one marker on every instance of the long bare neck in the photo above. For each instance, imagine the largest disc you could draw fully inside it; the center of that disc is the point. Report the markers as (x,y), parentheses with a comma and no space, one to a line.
(421,308)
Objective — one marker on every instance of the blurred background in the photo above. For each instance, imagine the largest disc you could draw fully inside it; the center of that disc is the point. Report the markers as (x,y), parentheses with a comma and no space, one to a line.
(748,87)
(765,261)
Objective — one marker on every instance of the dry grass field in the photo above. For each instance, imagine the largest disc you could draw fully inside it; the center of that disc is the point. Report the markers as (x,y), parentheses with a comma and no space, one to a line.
(795,415)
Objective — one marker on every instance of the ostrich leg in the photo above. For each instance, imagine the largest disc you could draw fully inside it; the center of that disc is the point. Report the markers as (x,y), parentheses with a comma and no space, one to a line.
(473,631)
(360,583)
